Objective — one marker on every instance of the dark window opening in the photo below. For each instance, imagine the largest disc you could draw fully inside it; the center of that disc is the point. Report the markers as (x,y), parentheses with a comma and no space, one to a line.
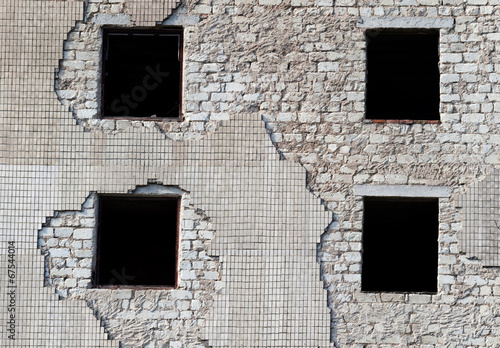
(400,247)
(142,73)
(138,239)
(402,75)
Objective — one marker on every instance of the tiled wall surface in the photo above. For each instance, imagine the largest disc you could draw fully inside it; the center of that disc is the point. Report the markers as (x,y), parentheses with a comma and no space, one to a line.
(142,10)
(30,176)
(267,225)
(480,208)
(135,317)
(299,66)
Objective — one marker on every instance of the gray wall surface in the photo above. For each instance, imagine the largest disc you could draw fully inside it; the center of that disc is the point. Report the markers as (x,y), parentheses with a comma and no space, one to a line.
(272,161)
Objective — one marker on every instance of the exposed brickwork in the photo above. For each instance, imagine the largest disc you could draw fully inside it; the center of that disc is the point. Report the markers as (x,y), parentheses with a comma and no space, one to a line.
(135,317)
(301,66)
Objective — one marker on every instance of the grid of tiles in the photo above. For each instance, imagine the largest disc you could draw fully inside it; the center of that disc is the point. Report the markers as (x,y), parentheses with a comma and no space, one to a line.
(143,11)
(30,45)
(268,225)
(481,218)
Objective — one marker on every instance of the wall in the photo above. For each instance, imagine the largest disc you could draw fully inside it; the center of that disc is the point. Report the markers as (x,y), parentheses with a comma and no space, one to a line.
(300,67)
(136,317)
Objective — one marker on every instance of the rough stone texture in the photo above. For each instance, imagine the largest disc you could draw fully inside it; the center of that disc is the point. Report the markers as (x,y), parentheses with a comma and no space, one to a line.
(300,65)
(266,238)
(134,317)
(262,264)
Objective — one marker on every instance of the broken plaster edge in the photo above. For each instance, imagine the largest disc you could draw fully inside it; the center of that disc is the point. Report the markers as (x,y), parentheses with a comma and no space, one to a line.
(402,191)
(405,22)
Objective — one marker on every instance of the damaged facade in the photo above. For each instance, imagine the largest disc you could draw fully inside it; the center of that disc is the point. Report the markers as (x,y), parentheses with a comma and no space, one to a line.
(318,173)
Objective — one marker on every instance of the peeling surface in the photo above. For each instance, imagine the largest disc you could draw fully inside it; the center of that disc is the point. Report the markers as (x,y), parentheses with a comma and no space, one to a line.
(300,66)
(134,317)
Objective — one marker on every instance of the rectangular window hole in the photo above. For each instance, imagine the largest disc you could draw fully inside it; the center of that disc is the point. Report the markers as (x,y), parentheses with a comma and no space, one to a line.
(402,74)
(138,241)
(142,73)
(400,244)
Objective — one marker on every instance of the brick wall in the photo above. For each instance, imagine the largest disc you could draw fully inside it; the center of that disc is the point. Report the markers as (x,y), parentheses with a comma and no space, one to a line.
(300,66)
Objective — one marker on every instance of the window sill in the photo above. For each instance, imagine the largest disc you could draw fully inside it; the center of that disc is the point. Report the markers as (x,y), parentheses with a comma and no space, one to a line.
(144,119)
(399,292)
(395,297)
(135,287)
(403,121)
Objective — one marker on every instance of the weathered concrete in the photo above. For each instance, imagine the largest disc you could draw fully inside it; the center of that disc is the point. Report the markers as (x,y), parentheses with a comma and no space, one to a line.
(300,65)
(401,191)
(404,22)
(110,19)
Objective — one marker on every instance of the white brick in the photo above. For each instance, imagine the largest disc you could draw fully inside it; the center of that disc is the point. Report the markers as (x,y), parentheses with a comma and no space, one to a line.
(82,273)
(83,233)
(197,96)
(463,68)
(451,57)
(309,117)
(86,113)
(473,118)
(56,252)
(211,275)
(286,117)
(442,279)
(235,87)
(63,232)
(186,274)
(328,66)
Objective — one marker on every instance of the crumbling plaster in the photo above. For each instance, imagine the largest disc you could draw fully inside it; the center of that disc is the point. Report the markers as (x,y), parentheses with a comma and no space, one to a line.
(135,317)
(301,66)
(227,173)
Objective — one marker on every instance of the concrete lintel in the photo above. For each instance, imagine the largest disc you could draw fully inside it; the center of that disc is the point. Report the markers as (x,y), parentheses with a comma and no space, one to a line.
(401,191)
(155,189)
(180,19)
(109,19)
(405,22)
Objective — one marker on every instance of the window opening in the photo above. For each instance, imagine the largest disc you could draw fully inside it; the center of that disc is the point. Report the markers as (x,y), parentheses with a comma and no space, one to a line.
(142,73)
(138,241)
(402,74)
(400,248)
